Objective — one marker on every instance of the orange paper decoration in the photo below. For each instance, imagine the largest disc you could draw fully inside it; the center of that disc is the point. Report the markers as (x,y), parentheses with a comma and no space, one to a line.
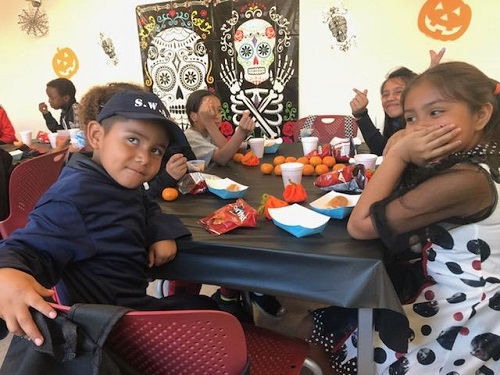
(444,19)
(65,63)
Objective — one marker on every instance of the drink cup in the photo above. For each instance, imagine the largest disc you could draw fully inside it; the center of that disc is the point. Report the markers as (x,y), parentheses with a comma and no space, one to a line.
(291,172)
(26,137)
(62,139)
(368,160)
(257,146)
(196,165)
(309,144)
(53,139)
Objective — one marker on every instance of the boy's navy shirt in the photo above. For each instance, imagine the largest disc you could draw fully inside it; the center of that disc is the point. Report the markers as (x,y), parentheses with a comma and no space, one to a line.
(90,235)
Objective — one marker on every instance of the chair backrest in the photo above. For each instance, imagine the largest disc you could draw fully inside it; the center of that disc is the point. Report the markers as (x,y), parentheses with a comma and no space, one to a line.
(326,127)
(27,183)
(180,342)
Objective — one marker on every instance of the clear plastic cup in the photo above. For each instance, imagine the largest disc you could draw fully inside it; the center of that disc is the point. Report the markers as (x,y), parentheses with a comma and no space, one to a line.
(196,165)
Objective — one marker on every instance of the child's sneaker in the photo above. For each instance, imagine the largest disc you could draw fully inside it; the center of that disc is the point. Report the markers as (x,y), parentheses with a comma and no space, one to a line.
(268,305)
(234,307)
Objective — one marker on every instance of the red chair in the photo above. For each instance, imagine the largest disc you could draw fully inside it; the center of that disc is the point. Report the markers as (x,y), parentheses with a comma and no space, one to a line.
(202,342)
(326,127)
(27,183)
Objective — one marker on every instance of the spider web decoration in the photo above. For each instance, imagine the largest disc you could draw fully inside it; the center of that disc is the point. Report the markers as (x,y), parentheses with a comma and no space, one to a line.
(34,21)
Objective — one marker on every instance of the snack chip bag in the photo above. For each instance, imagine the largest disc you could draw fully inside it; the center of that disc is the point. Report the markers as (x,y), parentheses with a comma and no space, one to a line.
(192,183)
(229,217)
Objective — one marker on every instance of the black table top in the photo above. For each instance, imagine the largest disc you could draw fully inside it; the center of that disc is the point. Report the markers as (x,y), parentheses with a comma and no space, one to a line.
(329,267)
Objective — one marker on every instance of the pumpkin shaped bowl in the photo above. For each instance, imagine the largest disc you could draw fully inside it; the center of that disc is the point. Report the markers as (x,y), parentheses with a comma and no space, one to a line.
(298,220)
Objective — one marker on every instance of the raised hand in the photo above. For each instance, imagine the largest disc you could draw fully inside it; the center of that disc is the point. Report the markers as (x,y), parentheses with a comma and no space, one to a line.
(436,56)
(360,101)
(176,166)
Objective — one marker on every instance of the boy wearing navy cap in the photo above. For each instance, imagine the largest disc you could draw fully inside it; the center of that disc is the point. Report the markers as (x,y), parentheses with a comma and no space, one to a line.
(94,233)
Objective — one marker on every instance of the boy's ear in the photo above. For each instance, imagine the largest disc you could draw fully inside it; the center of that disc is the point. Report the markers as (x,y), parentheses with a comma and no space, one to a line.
(95,132)
(483,116)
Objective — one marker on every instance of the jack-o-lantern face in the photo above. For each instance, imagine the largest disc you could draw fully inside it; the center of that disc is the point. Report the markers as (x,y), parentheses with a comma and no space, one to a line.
(65,63)
(444,19)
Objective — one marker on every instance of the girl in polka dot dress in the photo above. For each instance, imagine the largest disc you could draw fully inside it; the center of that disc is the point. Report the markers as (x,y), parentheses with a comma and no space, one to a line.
(436,193)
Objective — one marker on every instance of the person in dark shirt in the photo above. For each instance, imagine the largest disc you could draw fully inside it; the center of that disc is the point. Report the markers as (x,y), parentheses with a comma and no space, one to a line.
(95,233)
(61,93)
(390,92)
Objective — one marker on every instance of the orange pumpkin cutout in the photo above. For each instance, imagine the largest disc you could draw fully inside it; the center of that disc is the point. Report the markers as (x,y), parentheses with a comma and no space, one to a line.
(65,63)
(444,19)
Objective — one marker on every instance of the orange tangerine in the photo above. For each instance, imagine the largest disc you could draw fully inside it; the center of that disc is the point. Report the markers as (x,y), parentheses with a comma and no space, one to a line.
(277,170)
(170,194)
(315,160)
(237,157)
(280,159)
(338,166)
(304,160)
(321,168)
(266,168)
(329,161)
(307,170)
(290,159)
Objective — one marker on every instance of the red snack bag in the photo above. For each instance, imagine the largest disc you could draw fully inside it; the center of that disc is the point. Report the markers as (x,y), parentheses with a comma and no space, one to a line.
(334,177)
(192,183)
(229,217)
(42,137)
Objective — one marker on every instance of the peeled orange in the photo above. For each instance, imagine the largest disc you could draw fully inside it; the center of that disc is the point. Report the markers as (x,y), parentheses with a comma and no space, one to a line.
(170,194)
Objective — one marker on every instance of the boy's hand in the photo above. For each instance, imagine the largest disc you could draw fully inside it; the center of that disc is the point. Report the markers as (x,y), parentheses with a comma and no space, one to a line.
(20,291)
(176,166)
(42,107)
(162,252)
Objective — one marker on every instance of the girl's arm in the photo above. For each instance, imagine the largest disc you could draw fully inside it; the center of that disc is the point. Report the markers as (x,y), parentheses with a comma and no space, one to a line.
(429,202)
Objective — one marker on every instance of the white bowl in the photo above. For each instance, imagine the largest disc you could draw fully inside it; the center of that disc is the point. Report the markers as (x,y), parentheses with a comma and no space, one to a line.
(16,155)
(321,205)
(298,220)
(219,187)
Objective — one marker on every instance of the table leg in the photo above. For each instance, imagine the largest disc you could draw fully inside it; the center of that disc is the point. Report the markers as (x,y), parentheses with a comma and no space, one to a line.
(365,341)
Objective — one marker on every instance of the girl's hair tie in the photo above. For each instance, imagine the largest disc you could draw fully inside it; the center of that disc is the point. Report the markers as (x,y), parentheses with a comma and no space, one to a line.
(497,89)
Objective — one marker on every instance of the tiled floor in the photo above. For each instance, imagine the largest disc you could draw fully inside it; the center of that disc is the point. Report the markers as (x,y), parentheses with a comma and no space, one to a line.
(287,325)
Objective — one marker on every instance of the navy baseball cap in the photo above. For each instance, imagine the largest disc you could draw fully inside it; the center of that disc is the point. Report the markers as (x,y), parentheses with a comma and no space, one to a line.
(141,105)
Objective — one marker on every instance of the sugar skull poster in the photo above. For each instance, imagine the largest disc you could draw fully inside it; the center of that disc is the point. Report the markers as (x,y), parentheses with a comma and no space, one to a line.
(245,51)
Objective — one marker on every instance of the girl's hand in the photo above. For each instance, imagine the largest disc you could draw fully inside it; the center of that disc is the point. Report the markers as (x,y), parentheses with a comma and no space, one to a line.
(208,112)
(161,252)
(176,166)
(247,124)
(20,291)
(436,56)
(360,101)
(422,145)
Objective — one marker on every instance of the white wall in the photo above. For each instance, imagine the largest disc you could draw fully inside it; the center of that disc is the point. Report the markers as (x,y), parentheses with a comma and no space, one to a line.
(386,36)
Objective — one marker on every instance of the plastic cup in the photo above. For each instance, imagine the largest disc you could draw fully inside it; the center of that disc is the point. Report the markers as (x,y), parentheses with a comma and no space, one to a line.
(26,137)
(368,160)
(196,165)
(53,139)
(309,144)
(291,172)
(257,146)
